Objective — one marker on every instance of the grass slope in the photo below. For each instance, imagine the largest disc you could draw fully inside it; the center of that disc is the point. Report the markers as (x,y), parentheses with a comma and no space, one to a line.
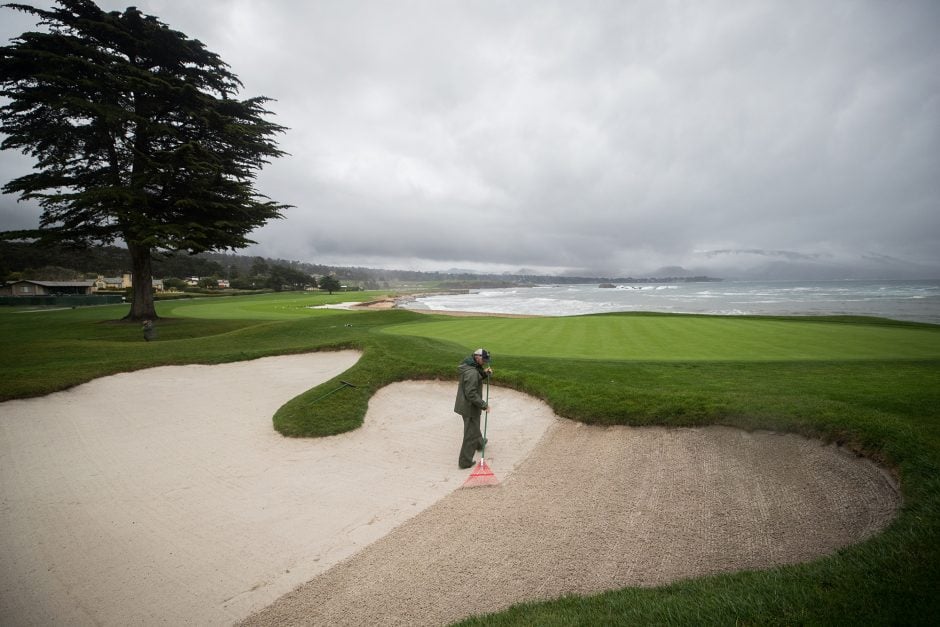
(871,384)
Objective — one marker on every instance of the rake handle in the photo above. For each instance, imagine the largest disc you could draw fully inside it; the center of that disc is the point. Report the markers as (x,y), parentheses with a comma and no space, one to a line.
(486,419)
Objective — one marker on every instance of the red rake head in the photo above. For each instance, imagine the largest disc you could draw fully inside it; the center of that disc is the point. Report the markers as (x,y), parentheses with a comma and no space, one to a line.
(481,476)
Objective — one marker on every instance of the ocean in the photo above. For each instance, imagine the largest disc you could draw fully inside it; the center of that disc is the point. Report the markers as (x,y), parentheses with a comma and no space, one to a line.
(917,301)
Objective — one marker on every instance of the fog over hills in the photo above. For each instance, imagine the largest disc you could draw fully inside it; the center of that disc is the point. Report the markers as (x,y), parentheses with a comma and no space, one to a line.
(758,264)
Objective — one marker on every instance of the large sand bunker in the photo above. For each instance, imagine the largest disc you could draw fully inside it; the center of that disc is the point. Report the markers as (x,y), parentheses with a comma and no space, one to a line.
(188,508)
(597,509)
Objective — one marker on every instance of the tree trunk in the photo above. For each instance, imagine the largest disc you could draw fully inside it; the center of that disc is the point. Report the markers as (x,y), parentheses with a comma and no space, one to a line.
(142,276)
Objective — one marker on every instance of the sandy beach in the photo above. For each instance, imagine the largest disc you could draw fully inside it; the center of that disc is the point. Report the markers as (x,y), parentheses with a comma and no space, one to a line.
(164,496)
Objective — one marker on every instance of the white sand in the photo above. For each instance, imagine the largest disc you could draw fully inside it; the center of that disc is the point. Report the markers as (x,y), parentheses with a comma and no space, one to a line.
(164,496)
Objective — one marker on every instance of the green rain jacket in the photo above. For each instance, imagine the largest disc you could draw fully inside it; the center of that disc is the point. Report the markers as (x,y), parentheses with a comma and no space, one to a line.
(469,388)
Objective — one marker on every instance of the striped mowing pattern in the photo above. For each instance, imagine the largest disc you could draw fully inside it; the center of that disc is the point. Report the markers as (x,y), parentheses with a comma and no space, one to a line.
(685,338)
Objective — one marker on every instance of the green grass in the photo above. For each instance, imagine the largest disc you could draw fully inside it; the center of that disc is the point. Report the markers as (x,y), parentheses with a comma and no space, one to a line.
(872,385)
(275,306)
(46,351)
(686,338)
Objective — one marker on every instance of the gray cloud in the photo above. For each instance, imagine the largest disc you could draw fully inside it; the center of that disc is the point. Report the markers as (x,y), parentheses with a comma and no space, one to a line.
(611,137)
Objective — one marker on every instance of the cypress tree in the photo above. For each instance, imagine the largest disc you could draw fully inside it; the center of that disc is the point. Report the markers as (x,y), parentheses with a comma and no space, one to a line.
(137,135)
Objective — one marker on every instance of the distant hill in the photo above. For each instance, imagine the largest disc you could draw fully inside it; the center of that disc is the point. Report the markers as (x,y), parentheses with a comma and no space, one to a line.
(783,265)
(20,257)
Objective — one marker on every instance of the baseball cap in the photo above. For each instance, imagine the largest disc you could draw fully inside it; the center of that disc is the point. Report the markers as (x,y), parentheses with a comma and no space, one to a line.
(483,352)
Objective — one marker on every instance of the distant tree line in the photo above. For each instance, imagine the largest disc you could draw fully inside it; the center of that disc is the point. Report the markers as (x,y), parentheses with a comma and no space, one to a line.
(253,272)
(376,278)
(22,258)
(19,260)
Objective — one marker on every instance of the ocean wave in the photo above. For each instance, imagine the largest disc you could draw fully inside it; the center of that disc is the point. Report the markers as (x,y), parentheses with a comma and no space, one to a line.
(917,301)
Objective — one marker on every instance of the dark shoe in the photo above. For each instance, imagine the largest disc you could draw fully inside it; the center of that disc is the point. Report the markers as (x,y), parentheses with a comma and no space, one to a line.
(462,467)
(483,444)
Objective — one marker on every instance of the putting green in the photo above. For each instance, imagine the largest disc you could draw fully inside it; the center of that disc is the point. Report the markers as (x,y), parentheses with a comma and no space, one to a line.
(683,338)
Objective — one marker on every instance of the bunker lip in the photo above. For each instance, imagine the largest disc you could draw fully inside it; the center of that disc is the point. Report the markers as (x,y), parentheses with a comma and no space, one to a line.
(190,508)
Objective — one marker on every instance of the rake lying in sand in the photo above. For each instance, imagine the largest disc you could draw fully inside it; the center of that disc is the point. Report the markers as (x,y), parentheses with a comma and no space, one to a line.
(345,384)
(482,475)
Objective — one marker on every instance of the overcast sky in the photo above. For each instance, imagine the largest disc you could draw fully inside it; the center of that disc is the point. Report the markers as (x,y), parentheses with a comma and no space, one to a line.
(600,137)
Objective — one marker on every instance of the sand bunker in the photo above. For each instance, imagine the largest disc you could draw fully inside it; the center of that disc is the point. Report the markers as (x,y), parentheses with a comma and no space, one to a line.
(186,507)
(597,509)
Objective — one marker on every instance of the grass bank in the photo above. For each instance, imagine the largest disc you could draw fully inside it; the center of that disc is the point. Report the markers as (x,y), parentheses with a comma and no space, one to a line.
(870,384)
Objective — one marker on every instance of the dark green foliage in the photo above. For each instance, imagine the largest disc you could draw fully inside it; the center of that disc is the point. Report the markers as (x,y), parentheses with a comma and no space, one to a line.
(136,136)
(20,256)
(284,278)
(329,283)
(106,260)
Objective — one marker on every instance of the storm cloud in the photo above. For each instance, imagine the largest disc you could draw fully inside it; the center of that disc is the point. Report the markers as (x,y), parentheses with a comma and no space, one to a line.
(609,138)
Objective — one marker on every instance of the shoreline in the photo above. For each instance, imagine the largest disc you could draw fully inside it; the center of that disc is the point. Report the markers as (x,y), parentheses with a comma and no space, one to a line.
(901,301)
(397,303)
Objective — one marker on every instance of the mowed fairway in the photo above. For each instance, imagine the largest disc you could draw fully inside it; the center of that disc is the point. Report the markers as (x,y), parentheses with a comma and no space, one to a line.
(276,306)
(685,338)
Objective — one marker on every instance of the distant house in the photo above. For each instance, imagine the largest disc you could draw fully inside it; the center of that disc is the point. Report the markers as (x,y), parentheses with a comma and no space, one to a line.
(223,284)
(113,283)
(123,282)
(47,288)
